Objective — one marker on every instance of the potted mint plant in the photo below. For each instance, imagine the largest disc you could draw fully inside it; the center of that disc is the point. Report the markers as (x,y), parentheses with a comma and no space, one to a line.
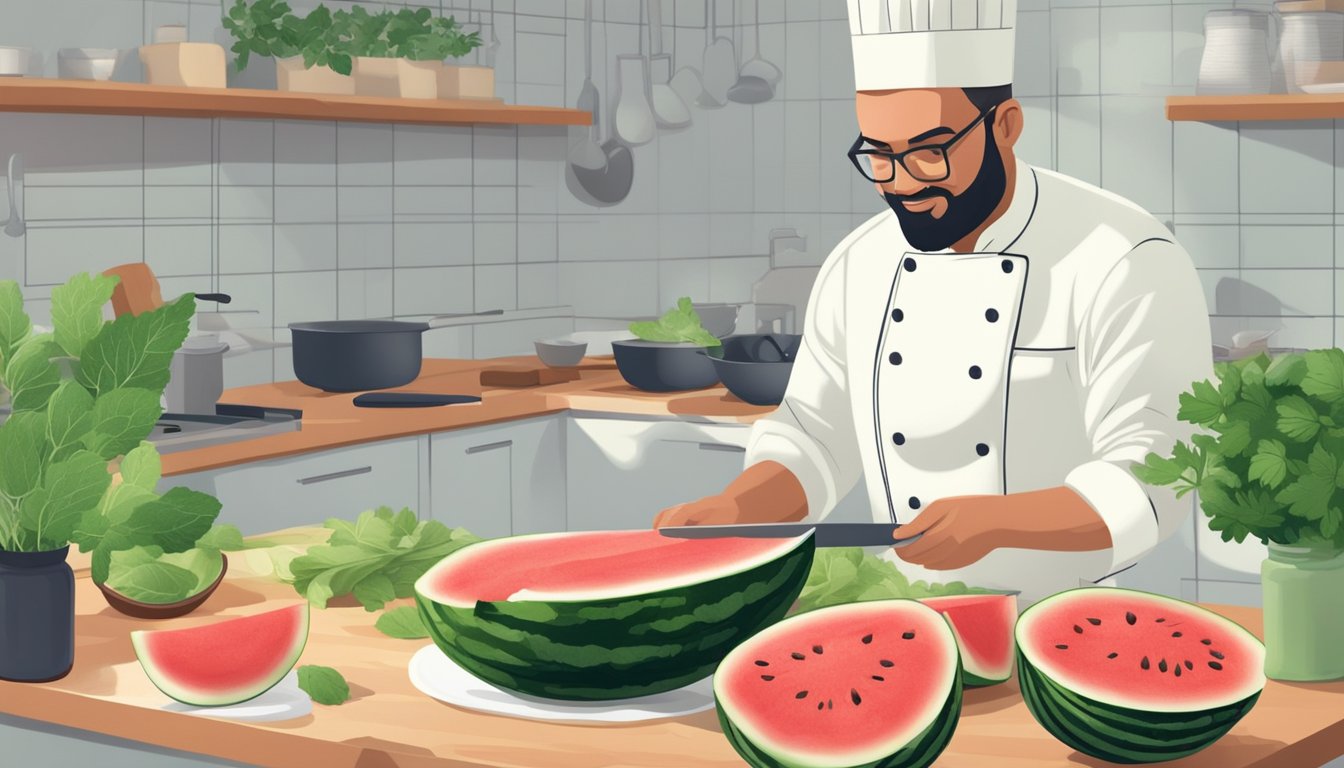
(403,54)
(76,400)
(1267,462)
(308,50)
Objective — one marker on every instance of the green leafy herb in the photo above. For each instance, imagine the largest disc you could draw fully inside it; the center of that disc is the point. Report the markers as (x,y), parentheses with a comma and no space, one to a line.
(121,419)
(323,685)
(135,351)
(681,324)
(77,310)
(1265,457)
(150,576)
(849,575)
(31,375)
(403,623)
(377,558)
(225,538)
(14,323)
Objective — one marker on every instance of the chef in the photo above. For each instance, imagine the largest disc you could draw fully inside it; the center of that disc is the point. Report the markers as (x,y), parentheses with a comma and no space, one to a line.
(994,352)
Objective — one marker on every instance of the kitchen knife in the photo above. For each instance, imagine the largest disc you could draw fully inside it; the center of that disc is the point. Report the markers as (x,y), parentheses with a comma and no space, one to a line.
(827,534)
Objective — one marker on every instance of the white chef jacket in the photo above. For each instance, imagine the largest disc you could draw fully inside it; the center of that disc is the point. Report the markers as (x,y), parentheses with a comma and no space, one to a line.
(1053,355)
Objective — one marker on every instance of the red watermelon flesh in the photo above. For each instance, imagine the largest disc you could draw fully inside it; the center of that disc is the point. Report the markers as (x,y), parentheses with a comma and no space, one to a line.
(983,625)
(225,662)
(592,565)
(842,686)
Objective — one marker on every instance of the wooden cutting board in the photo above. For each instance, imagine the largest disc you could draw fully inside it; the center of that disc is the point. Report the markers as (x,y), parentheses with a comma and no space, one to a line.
(526,375)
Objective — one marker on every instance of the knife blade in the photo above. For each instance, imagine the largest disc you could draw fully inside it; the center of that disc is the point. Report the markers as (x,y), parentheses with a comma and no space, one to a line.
(827,534)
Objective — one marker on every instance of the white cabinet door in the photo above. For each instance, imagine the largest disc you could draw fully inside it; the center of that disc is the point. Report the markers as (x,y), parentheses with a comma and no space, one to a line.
(621,473)
(308,489)
(499,480)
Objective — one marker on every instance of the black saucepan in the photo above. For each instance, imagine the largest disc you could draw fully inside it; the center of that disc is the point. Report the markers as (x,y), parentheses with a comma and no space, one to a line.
(358,355)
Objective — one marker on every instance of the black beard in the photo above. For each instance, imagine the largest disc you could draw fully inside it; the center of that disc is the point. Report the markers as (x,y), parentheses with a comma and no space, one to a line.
(964,212)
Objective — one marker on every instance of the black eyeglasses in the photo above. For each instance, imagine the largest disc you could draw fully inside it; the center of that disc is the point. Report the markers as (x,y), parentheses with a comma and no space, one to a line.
(924,163)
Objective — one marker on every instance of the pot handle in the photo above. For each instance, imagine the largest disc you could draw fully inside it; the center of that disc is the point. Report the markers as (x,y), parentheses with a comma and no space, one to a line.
(435,322)
(222,298)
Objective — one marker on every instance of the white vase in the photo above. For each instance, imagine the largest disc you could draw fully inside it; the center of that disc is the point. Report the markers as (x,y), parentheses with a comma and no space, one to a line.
(1236,56)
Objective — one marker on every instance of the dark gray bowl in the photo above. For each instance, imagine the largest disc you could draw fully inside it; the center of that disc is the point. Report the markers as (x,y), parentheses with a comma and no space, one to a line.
(753,369)
(656,366)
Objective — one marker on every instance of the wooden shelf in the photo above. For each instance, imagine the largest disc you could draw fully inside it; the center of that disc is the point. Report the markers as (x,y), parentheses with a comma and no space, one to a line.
(1252,107)
(105,98)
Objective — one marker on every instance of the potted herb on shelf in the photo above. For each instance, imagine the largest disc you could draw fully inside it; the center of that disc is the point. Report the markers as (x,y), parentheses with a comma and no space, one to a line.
(309,53)
(403,54)
(1268,463)
(75,400)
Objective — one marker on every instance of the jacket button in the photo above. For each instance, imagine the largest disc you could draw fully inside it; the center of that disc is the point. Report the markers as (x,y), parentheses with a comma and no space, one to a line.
(897,315)
(975,371)
(910,265)
(982,449)
(992,315)
(895,358)
(1007,265)
(914,502)
(898,438)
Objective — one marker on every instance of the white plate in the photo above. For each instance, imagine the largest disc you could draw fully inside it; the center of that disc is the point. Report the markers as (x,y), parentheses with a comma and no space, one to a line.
(283,702)
(438,677)
(1322,87)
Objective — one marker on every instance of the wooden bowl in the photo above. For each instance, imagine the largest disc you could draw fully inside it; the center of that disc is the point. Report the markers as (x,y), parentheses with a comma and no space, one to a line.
(141,610)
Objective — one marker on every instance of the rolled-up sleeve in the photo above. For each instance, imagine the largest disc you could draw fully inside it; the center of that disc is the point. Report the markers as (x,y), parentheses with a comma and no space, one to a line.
(811,433)
(1142,339)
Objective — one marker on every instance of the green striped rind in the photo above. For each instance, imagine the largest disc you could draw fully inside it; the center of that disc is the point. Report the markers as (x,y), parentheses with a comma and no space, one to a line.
(1118,734)
(972,680)
(621,648)
(917,754)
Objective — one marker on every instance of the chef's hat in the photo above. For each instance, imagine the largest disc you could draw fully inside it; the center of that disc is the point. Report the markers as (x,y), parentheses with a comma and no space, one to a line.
(931,43)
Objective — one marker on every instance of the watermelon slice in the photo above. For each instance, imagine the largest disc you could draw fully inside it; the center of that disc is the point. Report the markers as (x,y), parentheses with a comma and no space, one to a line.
(983,625)
(1134,677)
(607,614)
(225,662)
(876,683)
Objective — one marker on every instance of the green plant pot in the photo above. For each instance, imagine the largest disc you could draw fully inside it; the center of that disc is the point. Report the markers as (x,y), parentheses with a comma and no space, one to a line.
(1304,612)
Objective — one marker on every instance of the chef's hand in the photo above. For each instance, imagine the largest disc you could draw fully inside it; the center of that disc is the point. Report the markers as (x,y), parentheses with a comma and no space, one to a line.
(719,509)
(957,531)
(765,492)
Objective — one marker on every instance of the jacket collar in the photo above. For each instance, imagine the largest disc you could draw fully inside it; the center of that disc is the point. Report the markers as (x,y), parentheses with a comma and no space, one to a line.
(1006,230)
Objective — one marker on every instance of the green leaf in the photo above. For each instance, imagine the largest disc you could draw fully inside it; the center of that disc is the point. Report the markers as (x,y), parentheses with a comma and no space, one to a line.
(1229,382)
(1308,497)
(403,623)
(77,309)
(369,530)
(323,684)
(1287,370)
(1158,470)
(1325,374)
(69,415)
(140,575)
(1269,465)
(1202,406)
(70,488)
(23,447)
(204,563)
(121,501)
(1298,420)
(374,591)
(135,351)
(14,323)
(226,538)
(122,419)
(1330,523)
(175,521)
(1235,437)
(142,467)
(31,375)
(112,541)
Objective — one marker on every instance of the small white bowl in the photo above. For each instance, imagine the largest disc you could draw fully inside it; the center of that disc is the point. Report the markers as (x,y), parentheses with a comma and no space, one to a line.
(560,353)
(86,63)
(14,61)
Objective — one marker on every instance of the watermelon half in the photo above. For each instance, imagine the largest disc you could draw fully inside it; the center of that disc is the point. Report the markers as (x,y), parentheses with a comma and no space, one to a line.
(225,662)
(1133,677)
(607,614)
(876,683)
(983,625)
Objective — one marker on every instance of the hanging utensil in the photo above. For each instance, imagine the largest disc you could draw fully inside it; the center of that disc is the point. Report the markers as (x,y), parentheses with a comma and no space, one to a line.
(669,110)
(588,153)
(635,124)
(611,183)
(15,226)
(492,47)
(757,66)
(720,66)
(753,84)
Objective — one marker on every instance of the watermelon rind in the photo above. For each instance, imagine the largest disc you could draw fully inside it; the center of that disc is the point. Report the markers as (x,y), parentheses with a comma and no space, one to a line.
(1107,729)
(176,690)
(918,752)
(977,671)
(596,649)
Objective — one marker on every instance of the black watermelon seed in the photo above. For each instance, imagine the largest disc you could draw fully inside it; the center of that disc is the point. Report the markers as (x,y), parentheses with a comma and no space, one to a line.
(767,678)
(879,678)
(886,663)
(1162,666)
(1189,666)
(830,704)
(1144,663)
(1112,655)
(1206,642)
(816,649)
(1178,670)
(821,705)
(867,639)
(760,663)
(854,697)
(1131,618)
(1216,665)
(1159,621)
(1094,622)
(907,635)
(799,656)
(1062,647)
(1175,634)
(800,695)
(1216,655)
(1077,629)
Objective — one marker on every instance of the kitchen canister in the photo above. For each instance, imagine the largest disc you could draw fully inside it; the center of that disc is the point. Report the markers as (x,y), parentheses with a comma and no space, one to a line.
(37,616)
(1306,40)
(1236,56)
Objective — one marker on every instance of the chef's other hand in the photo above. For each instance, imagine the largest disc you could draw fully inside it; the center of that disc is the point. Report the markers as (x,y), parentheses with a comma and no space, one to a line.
(719,509)
(957,531)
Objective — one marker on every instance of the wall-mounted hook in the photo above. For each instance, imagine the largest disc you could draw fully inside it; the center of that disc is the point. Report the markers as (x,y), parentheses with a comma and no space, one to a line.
(14,226)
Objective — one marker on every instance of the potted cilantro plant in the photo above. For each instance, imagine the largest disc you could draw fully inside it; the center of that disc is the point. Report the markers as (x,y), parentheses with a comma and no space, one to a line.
(1267,462)
(77,399)
(309,53)
(402,54)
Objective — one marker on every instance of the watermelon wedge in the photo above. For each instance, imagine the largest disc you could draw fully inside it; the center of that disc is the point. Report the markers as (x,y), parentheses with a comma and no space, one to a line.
(226,662)
(983,625)
(607,614)
(876,683)
(1133,677)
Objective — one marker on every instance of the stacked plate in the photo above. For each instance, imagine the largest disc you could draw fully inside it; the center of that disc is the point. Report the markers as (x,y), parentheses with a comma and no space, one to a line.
(1306,40)
(1236,53)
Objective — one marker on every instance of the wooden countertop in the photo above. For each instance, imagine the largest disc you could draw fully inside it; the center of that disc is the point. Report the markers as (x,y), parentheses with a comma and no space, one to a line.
(331,420)
(389,724)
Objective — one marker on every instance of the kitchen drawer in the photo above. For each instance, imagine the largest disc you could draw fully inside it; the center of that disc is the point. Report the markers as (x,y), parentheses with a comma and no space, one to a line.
(308,489)
(500,480)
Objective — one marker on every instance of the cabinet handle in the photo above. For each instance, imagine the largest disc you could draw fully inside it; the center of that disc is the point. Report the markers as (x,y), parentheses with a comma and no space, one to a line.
(722,447)
(489,446)
(335,475)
